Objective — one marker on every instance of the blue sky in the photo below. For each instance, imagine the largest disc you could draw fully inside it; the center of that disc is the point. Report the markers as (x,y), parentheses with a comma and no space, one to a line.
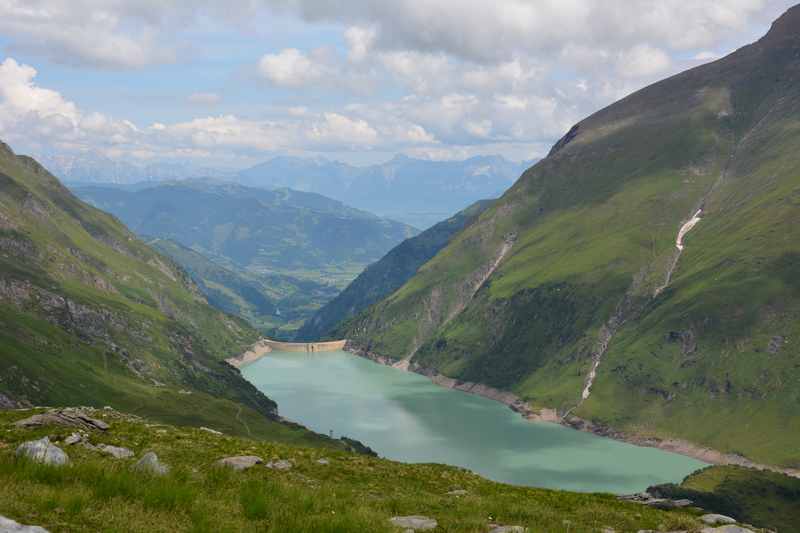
(234,83)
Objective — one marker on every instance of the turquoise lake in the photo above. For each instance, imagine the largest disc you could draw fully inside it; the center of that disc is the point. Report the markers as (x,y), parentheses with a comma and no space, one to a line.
(405,417)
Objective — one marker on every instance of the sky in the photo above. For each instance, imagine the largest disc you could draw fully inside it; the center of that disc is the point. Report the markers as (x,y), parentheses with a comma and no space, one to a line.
(232,83)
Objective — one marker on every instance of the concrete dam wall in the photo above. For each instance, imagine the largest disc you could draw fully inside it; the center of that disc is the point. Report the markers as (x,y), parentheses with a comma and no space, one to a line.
(265,346)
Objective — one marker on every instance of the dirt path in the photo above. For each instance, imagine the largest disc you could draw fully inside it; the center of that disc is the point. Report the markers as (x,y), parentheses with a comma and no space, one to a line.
(242,422)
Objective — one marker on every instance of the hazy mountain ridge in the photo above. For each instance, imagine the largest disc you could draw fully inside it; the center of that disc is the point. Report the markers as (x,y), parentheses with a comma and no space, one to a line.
(94,168)
(415,191)
(418,192)
(570,290)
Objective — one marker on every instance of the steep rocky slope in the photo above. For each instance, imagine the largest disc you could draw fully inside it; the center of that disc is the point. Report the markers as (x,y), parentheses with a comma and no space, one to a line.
(90,315)
(572,291)
(387,275)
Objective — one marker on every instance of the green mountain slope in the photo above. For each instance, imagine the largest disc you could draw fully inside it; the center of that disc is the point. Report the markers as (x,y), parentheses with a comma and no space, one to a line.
(764,499)
(387,275)
(90,315)
(309,241)
(575,270)
(325,491)
(273,303)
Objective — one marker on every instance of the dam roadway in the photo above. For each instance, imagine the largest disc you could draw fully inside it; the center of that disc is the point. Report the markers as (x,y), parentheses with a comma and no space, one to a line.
(265,346)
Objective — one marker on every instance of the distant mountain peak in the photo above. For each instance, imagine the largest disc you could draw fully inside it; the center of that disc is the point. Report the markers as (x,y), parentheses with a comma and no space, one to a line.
(785,29)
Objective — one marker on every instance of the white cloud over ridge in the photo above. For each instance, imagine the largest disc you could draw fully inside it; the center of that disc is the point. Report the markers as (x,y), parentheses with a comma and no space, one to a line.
(483,31)
(38,117)
(439,78)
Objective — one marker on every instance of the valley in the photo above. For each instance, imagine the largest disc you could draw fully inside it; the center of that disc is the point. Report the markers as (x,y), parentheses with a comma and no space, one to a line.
(400,267)
(273,257)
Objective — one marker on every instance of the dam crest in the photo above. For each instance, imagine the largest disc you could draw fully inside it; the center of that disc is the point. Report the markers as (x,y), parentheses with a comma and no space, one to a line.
(265,346)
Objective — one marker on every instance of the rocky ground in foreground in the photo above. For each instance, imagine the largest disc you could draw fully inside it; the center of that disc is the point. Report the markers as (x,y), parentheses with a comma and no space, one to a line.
(91,469)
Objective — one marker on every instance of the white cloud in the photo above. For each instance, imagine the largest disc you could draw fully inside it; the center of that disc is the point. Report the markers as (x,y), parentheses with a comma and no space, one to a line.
(706,55)
(291,68)
(643,60)
(94,32)
(341,130)
(38,118)
(21,96)
(483,31)
(437,77)
(480,128)
(359,42)
(205,98)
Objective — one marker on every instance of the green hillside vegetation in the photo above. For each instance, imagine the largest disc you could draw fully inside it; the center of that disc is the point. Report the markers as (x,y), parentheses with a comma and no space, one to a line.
(91,315)
(296,249)
(764,499)
(352,493)
(273,303)
(574,257)
(387,275)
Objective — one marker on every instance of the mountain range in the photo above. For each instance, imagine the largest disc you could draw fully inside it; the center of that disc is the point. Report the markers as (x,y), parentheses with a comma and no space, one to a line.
(272,256)
(92,167)
(641,281)
(415,191)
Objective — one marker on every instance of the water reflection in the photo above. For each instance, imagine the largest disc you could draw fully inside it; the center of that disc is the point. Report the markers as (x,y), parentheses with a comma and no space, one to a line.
(407,418)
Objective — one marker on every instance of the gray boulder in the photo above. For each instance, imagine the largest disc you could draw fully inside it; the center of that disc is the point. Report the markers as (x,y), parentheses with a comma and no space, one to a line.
(730,528)
(9,526)
(508,529)
(414,523)
(73,439)
(150,464)
(42,451)
(717,519)
(242,462)
(323,461)
(115,451)
(280,464)
(457,492)
(63,417)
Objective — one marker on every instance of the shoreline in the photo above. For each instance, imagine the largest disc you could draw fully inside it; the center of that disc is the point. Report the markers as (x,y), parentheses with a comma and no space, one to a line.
(516,404)
(264,346)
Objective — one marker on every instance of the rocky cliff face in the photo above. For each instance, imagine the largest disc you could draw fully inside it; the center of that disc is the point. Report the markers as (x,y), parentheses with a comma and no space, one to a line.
(576,315)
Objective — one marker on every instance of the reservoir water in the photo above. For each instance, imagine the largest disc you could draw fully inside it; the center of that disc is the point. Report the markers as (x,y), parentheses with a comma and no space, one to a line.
(405,417)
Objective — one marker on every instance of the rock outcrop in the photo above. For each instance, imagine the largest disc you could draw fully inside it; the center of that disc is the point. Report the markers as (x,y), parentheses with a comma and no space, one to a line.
(150,464)
(414,523)
(43,451)
(242,462)
(717,519)
(280,464)
(116,451)
(10,526)
(64,417)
